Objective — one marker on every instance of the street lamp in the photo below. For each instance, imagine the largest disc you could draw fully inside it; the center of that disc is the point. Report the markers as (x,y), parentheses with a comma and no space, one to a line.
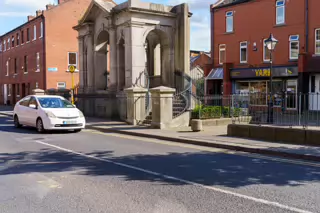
(271,44)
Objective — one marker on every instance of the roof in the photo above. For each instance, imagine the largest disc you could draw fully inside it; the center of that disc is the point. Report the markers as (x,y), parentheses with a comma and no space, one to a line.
(215,74)
(193,59)
(222,5)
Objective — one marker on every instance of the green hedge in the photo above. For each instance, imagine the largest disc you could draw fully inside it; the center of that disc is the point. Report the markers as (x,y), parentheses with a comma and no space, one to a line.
(207,112)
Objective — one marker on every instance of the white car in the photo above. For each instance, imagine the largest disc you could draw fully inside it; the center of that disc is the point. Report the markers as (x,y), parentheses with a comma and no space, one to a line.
(48,112)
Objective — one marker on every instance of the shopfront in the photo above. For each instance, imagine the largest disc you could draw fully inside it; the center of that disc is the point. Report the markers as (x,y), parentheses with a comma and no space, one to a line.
(253,85)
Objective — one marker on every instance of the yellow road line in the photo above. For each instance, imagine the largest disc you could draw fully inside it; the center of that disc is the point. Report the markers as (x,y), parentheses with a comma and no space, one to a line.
(209,149)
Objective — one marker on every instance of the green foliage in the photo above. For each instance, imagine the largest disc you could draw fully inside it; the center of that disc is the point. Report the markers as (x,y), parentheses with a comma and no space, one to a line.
(211,112)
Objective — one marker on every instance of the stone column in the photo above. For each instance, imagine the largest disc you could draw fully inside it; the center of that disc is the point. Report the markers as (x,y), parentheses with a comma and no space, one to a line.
(136,100)
(81,60)
(90,61)
(162,106)
(113,60)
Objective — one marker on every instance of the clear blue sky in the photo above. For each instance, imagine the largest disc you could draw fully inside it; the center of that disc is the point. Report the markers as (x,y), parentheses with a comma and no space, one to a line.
(14,13)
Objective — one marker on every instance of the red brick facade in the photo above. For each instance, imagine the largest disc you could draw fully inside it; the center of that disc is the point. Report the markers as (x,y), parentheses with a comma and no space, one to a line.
(253,21)
(47,51)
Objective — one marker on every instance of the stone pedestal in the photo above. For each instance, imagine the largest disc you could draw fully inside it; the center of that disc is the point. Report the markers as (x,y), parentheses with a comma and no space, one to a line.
(162,106)
(136,101)
(38,92)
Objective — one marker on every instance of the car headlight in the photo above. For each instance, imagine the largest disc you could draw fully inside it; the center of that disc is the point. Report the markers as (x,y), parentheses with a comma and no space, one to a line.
(50,115)
(81,114)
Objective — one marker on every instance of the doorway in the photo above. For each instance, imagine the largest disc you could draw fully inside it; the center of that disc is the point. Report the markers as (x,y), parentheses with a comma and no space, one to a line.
(23,90)
(314,95)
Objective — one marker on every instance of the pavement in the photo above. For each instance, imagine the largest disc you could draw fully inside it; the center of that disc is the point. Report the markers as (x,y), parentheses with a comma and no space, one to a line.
(215,137)
(93,171)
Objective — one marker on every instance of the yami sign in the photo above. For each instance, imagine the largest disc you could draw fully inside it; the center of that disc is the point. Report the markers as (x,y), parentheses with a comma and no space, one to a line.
(264,72)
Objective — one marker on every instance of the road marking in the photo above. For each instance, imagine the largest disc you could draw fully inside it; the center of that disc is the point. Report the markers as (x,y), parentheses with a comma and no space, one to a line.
(258,200)
(210,149)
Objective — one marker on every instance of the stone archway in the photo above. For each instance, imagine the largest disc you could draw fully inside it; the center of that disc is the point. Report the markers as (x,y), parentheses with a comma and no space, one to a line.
(158,58)
(102,60)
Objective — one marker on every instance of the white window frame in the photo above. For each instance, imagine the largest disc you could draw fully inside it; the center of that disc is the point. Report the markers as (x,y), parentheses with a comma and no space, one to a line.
(1,47)
(60,87)
(316,41)
(9,43)
(244,45)
(7,67)
(38,62)
(12,40)
(222,47)
(34,32)
(4,45)
(229,16)
(41,30)
(280,4)
(264,51)
(18,39)
(293,39)
(77,60)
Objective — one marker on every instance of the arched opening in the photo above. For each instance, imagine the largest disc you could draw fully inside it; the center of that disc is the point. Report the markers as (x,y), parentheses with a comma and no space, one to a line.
(158,58)
(102,61)
(122,67)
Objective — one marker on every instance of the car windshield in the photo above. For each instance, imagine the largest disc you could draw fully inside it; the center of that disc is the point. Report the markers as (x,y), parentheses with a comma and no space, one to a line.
(54,102)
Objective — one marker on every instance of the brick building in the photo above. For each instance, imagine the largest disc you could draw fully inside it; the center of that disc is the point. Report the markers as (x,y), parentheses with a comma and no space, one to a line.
(37,54)
(241,59)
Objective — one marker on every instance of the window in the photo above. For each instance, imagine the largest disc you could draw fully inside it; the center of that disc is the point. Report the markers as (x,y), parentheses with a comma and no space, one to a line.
(317,50)
(280,12)
(4,46)
(38,62)
(22,37)
(266,52)
(9,89)
(61,85)
(8,43)
(33,101)
(41,29)
(28,34)
(34,32)
(18,90)
(12,42)
(18,39)
(229,22)
(15,66)
(7,67)
(294,47)
(222,53)
(73,59)
(25,64)
(0,47)
(291,99)
(243,52)
(37,85)
(25,101)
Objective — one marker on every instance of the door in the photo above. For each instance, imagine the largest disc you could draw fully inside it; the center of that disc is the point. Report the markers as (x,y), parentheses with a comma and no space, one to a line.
(32,114)
(22,110)
(5,94)
(23,90)
(314,96)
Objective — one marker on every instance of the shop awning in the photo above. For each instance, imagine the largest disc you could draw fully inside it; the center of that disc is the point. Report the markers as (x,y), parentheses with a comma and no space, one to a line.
(215,74)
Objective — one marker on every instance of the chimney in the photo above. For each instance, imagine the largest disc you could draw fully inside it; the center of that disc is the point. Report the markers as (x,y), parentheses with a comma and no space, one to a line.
(30,18)
(38,13)
(61,1)
(49,6)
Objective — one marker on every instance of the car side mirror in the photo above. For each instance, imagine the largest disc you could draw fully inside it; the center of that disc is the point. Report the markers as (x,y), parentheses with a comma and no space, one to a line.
(33,106)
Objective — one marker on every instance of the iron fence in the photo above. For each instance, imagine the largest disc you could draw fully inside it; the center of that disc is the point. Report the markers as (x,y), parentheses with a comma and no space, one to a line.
(286,109)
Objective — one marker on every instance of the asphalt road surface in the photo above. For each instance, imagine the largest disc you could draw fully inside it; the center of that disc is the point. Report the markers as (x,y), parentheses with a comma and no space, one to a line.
(96,172)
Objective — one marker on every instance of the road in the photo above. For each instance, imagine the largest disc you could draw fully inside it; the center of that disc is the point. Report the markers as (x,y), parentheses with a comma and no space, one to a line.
(101,172)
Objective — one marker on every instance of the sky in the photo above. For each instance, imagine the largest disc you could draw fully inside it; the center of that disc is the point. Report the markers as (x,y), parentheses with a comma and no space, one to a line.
(14,13)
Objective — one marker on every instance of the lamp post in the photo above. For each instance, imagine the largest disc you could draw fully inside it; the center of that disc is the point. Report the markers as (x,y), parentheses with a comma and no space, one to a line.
(270,43)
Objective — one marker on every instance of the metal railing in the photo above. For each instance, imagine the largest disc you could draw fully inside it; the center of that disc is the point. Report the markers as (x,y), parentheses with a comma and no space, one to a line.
(288,109)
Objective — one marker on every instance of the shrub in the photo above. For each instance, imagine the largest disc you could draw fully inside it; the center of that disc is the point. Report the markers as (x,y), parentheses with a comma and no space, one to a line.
(207,112)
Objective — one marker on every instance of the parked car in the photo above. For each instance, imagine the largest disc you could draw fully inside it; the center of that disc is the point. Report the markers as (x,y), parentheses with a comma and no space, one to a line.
(48,112)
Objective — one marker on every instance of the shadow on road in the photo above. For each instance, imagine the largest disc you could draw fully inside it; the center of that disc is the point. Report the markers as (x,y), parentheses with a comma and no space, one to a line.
(201,167)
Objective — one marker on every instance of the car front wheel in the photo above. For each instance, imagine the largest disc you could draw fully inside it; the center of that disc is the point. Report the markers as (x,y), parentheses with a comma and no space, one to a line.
(39,126)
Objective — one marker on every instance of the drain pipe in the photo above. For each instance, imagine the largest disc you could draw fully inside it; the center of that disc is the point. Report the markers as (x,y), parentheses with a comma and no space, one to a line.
(307,25)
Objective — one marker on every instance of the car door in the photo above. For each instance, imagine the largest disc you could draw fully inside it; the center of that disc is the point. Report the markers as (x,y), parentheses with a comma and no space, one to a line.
(22,108)
(32,114)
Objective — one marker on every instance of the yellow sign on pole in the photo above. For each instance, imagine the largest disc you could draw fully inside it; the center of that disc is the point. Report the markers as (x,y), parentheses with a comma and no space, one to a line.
(72,69)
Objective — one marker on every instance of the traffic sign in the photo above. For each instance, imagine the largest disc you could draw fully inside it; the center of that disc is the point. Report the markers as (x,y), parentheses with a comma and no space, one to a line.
(72,68)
